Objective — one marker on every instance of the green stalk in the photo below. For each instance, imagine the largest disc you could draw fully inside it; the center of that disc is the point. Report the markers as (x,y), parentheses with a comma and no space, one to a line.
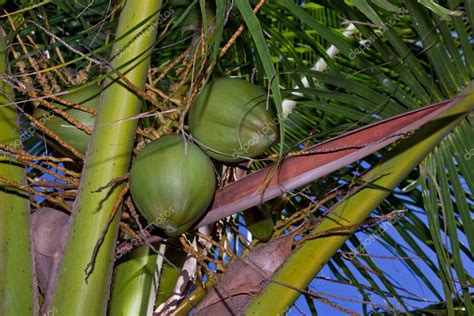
(108,158)
(193,299)
(308,260)
(17,288)
(136,283)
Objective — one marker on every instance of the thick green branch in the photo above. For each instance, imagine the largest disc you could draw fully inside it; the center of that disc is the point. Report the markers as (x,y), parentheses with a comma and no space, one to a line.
(17,289)
(108,157)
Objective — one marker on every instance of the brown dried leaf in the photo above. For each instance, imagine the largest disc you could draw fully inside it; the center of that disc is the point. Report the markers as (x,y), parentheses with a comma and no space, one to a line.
(48,230)
(245,278)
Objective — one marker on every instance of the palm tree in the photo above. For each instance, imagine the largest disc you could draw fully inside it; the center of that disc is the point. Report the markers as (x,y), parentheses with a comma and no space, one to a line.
(371,175)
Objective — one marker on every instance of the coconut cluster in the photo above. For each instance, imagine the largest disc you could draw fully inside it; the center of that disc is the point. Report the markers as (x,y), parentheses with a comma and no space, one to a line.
(172,179)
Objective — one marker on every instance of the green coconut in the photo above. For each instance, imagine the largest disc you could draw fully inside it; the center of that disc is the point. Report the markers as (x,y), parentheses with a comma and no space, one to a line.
(70,134)
(259,222)
(259,219)
(231,120)
(172,183)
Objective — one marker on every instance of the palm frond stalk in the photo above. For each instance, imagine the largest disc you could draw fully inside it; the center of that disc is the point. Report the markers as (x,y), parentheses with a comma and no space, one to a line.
(17,286)
(83,282)
(135,282)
